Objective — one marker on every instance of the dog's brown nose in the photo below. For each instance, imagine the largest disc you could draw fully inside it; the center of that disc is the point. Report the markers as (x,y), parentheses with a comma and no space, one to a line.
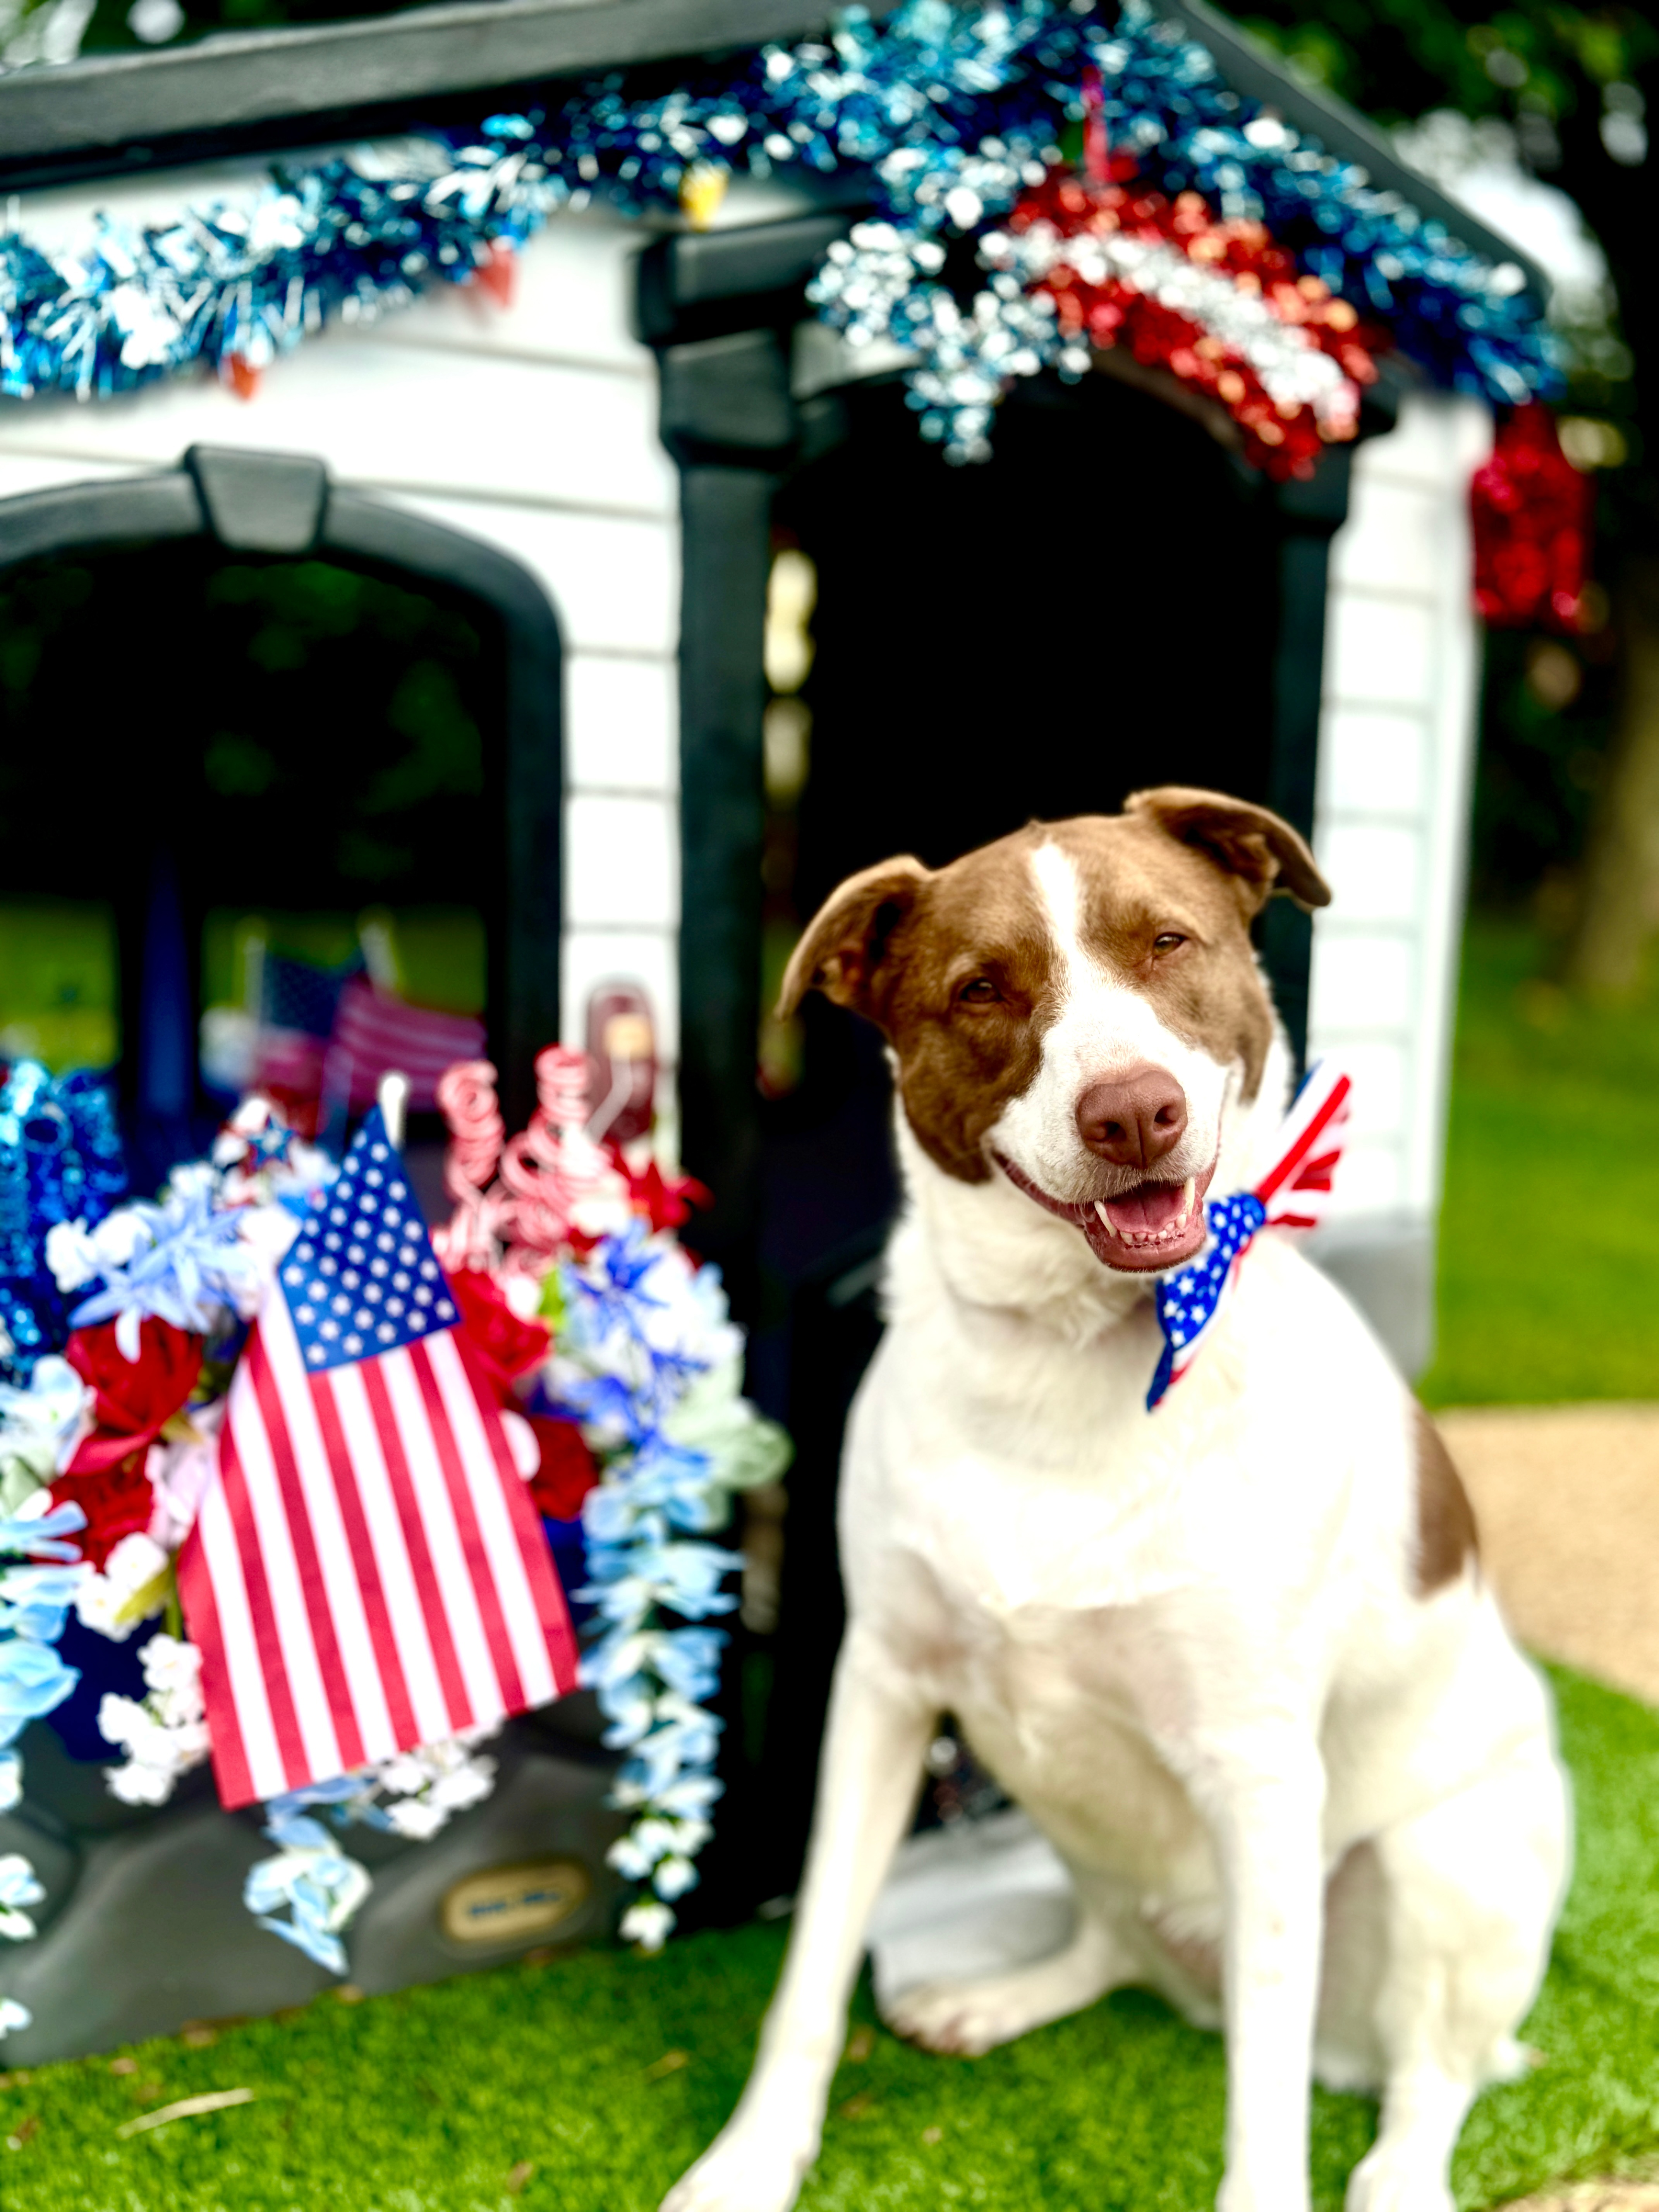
(1134,1121)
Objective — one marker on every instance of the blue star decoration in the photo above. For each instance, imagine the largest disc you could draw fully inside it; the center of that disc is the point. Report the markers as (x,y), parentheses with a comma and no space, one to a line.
(1186,1302)
(361,1277)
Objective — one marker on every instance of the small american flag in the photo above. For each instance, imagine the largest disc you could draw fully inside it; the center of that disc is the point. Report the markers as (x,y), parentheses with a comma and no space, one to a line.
(373,1031)
(367,1571)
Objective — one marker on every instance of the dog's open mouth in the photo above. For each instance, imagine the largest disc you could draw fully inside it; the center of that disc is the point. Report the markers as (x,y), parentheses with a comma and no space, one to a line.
(1153,1226)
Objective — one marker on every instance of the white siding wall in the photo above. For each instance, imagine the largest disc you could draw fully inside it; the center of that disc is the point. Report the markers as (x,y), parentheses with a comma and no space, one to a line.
(533,427)
(1396,750)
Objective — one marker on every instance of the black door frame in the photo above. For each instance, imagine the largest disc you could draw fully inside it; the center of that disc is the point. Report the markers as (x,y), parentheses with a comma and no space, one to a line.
(254,501)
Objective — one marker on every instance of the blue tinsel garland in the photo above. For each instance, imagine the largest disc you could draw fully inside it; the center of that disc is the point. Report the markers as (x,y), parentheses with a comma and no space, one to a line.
(949,111)
(60,1161)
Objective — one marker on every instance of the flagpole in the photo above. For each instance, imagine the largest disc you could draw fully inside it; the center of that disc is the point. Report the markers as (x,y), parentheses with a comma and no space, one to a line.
(391,1096)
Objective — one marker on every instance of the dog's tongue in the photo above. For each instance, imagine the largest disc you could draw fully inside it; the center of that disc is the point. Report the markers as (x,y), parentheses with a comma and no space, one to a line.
(1149,1206)
(1133,1219)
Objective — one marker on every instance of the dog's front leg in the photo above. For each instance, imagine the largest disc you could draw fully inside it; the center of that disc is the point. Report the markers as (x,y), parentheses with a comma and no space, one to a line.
(868,1778)
(1264,1806)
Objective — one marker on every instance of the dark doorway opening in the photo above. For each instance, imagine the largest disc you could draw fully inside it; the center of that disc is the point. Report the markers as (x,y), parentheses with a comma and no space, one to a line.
(1094,609)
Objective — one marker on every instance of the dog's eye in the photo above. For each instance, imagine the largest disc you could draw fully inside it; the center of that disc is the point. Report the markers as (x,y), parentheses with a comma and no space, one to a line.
(1167,941)
(979,991)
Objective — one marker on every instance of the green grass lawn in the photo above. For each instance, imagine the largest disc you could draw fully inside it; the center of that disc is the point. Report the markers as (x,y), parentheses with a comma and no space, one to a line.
(584,2085)
(1549,1250)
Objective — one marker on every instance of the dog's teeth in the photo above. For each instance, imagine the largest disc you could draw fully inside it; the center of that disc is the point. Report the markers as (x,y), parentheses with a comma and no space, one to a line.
(1187,1198)
(1105,1219)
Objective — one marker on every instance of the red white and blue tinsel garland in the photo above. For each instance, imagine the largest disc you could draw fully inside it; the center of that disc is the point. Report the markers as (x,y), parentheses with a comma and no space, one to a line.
(954,115)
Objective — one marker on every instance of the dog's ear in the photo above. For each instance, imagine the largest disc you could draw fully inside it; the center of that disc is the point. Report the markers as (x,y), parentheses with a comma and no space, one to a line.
(841,953)
(1265,855)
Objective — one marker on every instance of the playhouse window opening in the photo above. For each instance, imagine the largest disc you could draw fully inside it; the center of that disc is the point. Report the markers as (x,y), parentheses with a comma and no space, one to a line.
(57,983)
(229,785)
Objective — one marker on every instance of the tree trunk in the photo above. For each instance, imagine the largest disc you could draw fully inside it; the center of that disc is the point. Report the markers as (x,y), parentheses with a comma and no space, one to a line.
(1619,897)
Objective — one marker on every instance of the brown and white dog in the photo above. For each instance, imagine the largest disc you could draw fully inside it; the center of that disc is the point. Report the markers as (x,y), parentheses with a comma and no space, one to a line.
(1235,1656)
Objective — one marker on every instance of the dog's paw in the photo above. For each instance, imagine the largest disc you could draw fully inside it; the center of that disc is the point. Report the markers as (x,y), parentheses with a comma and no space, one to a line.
(965,2019)
(1384,2181)
(747,2169)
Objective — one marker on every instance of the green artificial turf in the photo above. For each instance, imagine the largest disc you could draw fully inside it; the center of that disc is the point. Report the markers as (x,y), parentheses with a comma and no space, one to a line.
(586,2083)
(1549,1264)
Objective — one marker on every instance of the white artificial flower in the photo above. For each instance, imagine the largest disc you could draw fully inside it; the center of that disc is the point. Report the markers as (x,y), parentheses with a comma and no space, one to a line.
(404,1775)
(78,1255)
(523,1294)
(646,1924)
(103,1598)
(11,1780)
(179,1473)
(674,1876)
(138,1784)
(39,1429)
(466,1785)
(170,1663)
(269,1229)
(14,2016)
(166,1735)
(417,1818)
(19,1886)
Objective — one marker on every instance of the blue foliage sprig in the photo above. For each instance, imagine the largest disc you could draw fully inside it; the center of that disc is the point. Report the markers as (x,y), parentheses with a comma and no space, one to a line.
(648,1362)
(946,112)
(34,1602)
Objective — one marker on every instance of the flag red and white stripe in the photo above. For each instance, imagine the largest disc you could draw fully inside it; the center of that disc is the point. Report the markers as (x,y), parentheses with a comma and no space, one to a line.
(373,1031)
(367,1571)
(1296,1189)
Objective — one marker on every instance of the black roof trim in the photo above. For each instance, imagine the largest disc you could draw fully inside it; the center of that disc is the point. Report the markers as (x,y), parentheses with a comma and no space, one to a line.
(1255,71)
(107,112)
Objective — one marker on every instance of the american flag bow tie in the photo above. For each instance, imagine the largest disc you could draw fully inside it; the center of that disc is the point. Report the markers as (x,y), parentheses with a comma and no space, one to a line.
(1292,1194)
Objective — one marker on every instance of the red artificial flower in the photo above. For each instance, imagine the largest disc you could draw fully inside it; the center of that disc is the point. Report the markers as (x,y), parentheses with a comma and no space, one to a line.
(133,1399)
(568,1471)
(118,1501)
(666,1201)
(1532,512)
(506,1346)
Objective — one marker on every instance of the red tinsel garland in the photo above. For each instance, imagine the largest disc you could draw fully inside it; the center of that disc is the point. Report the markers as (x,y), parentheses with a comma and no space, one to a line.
(1284,441)
(1532,512)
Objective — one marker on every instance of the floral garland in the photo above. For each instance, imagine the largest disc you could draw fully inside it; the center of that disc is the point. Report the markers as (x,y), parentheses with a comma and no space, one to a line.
(950,114)
(619,1376)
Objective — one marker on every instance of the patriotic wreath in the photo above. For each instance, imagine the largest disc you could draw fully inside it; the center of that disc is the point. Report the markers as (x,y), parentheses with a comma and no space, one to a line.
(1245,259)
(600,1346)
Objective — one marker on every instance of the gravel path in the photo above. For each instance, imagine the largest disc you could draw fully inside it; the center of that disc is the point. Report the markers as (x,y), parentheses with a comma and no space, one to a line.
(1567,1499)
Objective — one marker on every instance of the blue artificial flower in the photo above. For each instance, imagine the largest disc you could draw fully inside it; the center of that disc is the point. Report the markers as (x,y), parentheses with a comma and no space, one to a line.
(189,1268)
(40,1535)
(34,1602)
(689,1661)
(317,1884)
(34,1681)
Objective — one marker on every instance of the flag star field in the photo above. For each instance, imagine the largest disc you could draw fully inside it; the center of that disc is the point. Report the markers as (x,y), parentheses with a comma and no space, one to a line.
(361,1277)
